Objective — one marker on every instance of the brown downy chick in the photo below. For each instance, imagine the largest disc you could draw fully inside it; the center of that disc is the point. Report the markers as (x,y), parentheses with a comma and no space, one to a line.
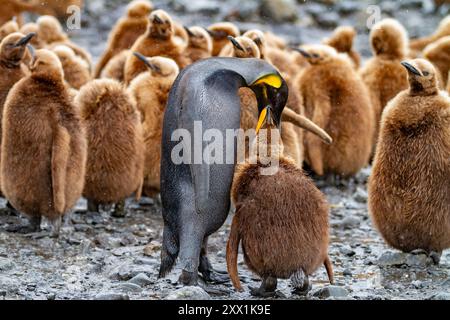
(115,68)
(417,45)
(342,41)
(76,70)
(438,53)
(51,33)
(44,145)
(32,27)
(337,101)
(115,162)
(219,33)
(409,188)
(125,32)
(200,44)
(275,41)
(159,40)
(267,193)
(383,74)
(151,91)
(8,28)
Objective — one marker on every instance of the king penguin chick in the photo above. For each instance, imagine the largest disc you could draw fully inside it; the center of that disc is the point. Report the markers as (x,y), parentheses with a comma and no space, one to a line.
(438,53)
(151,90)
(125,32)
(383,74)
(44,145)
(417,45)
(115,162)
(32,27)
(76,70)
(200,44)
(337,101)
(115,68)
(342,41)
(8,28)
(267,193)
(219,33)
(409,188)
(159,40)
(51,33)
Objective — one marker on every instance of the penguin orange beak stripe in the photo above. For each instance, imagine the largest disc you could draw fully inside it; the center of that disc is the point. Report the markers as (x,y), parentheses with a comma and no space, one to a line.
(263,118)
(272,80)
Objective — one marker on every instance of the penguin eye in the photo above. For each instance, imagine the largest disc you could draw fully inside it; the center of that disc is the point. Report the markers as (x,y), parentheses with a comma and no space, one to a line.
(425,73)
(315,55)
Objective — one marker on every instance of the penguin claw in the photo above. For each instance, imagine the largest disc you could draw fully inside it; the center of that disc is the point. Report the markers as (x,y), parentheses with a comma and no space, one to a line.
(26,229)
(259,292)
(215,277)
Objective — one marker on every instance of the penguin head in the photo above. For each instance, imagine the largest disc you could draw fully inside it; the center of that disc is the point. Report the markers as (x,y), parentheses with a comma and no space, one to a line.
(159,66)
(388,37)
(67,56)
(139,8)
(439,50)
(50,30)
(199,38)
(29,28)
(318,53)
(8,28)
(421,76)
(221,30)
(161,25)
(342,39)
(12,48)
(443,28)
(258,38)
(46,65)
(244,47)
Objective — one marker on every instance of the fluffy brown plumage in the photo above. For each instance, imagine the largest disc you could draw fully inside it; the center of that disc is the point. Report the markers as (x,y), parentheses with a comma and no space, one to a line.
(337,101)
(43,143)
(151,90)
(8,28)
(342,40)
(383,74)
(417,45)
(200,44)
(159,40)
(76,70)
(114,167)
(438,53)
(264,203)
(219,33)
(409,189)
(115,68)
(125,32)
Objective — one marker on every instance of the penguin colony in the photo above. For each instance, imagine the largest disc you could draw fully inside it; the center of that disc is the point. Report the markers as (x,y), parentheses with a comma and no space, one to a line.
(71,129)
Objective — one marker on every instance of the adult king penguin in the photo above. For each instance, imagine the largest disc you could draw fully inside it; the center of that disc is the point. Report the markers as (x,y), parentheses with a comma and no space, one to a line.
(195,195)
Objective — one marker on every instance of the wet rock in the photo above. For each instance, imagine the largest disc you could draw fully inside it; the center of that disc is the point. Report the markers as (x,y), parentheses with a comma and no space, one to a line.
(6,264)
(141,279)
(51,296)
(328,19)
(391,258)
(127,272)
(350,222)
(348,7)
(360,195)
(331,291)
(112,296)
(152,248)
(347,251)
(129,287)
(418,260)
(440,296)
(279,10)
(347,272)
(9,285)
(189,293)
(127,239)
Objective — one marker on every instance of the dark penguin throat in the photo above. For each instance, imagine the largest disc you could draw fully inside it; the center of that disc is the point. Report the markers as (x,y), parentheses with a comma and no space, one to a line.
(11,63)
(418,89)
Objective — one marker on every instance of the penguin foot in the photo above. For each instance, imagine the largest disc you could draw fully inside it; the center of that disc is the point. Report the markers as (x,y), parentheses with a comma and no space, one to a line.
(215,277)
(300,282)
(119,210)
(33,226)
(92,206)
(11,210)
(188,278)
(267,289)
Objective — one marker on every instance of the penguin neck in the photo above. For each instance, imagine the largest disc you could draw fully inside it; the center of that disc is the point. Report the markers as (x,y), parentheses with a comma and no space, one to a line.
(417,89)
(10,64)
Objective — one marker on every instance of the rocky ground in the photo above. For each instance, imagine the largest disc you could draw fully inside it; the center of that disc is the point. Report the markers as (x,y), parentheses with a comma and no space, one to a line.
(101,257)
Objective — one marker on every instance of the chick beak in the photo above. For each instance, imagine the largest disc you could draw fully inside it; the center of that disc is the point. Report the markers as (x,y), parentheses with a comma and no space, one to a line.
(411,68)
(25,40)
(235,43)
(264,117)
(303,52)
(145,61)
(33,56)
(157,19)
(258,41)
(189,32)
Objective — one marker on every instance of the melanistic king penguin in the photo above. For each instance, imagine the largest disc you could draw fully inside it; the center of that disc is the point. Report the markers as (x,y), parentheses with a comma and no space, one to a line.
(196,195)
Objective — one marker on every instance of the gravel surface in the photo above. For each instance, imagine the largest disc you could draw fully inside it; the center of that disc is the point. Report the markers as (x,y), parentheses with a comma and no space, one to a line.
(101,257)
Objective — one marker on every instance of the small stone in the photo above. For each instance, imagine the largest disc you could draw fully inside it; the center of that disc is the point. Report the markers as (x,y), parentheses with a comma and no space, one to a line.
(51,296)
(347,251)
(112,296)
(152,248)
(127,240)
(9,285)
(418,260)
(279,10)
(347,272)
(141,279)
(350,222)
(129,287)
(85,245)
(329,19)
(390,258)
(360,195)
(126,272)
(6,264)
(331,291)
(440,296)
(417,284)
(189,293)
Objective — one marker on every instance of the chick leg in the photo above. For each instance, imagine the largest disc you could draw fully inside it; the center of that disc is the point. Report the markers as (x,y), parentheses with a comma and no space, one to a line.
(34,225)
(267,288)
(300,282)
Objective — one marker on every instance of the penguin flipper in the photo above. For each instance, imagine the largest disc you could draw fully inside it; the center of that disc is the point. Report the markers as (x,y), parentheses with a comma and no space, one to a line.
(232,253)
(60,158)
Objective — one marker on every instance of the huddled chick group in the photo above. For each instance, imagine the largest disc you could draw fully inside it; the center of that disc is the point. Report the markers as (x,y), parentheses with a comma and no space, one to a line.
(71,129)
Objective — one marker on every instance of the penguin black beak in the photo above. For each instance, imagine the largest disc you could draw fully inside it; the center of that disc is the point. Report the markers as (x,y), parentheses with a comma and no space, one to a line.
(411,68)
(157,19)
(216,34)
(258,41)
(145,61)
(303,53)
(24,41)
(189,32)
(235,43)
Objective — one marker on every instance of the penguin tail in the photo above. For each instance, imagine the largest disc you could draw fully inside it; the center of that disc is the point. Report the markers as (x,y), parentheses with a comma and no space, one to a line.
(59,162)
(329,268)
(169,252)
(232,253)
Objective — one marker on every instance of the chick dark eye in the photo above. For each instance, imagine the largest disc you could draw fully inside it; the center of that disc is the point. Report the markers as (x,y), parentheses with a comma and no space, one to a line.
(426,73)
(315,55)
